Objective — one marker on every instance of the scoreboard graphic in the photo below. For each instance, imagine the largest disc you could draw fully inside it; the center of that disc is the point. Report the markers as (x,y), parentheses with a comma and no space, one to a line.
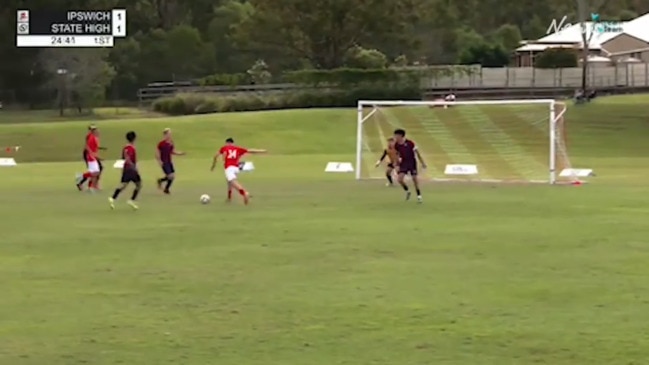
(71,28)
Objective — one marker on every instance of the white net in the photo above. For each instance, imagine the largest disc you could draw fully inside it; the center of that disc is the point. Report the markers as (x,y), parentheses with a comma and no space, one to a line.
(508,142)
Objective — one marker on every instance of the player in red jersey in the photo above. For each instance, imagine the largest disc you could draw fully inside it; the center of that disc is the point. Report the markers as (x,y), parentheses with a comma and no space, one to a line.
(130,173)
(164,154)
(408,156)
(231,156)
(93,162)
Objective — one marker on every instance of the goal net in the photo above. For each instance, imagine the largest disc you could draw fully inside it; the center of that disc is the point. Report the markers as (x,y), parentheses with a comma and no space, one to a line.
(480,140)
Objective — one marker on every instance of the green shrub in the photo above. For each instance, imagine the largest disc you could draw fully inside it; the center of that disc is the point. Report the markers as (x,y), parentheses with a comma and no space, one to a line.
(183,104)
(226,80)
(557,58)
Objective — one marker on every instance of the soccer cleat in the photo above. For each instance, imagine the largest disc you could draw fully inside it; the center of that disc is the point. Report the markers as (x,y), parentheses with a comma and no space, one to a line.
(408,195)
(78,180)
(111,201)
(388,184)
(420,199)
(166,192)
(159,184)
(246,198)
(132,204)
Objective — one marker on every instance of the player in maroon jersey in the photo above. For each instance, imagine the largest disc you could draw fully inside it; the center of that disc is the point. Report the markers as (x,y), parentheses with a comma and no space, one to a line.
(231,155)
(408,156)
(130,173)
(164,155)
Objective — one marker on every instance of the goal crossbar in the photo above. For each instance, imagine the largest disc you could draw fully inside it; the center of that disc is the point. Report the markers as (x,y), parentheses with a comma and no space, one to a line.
(554,114)
(443,102)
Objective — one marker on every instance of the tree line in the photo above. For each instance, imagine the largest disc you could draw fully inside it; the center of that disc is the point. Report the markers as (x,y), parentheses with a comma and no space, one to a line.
(174,40)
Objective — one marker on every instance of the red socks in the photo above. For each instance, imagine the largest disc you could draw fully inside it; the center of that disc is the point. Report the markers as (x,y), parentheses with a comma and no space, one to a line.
(242,192)
(87,175)
(229,194)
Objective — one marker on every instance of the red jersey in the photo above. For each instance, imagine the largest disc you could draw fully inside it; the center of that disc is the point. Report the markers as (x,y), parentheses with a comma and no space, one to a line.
(92,146)
(129,155)
(232,154)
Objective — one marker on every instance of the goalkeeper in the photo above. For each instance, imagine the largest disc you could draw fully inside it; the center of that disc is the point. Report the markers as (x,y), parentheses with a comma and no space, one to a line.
(393,157)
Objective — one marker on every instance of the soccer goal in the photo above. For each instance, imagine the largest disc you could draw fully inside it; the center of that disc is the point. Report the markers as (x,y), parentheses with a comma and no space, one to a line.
(480,140)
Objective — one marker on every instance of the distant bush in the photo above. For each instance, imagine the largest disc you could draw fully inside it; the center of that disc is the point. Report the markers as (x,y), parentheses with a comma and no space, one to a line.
(203,103)
(557,58)
(226,80)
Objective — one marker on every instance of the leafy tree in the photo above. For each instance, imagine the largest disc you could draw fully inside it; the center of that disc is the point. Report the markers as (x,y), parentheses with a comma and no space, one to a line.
(230,54)
(509,36)
(259,73)
(625,15)
(323,31)
(80,76)
(359,57)
(485,54)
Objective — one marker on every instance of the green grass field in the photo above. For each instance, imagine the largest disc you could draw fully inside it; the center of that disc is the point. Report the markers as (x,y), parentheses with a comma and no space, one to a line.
(321,269)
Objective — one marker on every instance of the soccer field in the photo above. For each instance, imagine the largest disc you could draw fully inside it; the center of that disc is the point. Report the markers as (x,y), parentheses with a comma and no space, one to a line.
(321,269)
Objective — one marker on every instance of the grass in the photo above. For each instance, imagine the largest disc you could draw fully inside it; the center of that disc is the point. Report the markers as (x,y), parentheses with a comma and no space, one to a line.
(320,269)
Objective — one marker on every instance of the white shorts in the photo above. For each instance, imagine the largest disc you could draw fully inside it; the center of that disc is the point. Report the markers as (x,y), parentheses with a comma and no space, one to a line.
(93,167)
(231,173)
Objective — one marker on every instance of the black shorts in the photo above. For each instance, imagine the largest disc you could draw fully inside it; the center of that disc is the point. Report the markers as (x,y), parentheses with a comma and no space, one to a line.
(168,168)
(131,176)
(408,170)
(390,165)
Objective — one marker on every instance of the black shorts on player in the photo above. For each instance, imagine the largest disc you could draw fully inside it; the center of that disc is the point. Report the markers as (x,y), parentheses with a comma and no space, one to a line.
(168,168)
(408,170)
(131,176)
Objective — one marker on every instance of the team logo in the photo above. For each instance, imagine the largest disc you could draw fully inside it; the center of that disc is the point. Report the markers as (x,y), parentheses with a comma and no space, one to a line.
(23,28)
(23,15)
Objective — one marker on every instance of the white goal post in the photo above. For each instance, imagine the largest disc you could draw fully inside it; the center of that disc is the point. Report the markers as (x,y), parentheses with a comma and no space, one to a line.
(510,140)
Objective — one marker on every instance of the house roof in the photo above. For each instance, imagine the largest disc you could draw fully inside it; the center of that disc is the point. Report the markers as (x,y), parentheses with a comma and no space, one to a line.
(572,35)
(535,47)
(638,28)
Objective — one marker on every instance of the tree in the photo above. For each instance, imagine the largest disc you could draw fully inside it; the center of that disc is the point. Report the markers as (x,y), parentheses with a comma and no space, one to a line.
(221,32)
(509,36)
(323,31)
(80,76)
(359,57)
(585,8)
(485,54)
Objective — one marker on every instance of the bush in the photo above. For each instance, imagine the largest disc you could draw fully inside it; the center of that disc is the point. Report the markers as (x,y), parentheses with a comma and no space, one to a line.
(226,80)
(557,58)
(185,104)
(363,58)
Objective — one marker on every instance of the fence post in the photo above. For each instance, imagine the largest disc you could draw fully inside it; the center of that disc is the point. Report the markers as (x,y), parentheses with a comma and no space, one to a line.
(533,76)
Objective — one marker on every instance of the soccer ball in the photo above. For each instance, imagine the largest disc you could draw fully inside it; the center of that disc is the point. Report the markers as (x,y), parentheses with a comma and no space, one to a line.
(205,199)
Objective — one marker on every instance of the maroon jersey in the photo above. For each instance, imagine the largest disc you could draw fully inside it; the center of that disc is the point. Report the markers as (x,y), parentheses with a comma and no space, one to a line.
(129,155)
(166,150)
(406,151)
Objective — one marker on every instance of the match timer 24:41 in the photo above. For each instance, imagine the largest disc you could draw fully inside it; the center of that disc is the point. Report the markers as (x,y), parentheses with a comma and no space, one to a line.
(72,28)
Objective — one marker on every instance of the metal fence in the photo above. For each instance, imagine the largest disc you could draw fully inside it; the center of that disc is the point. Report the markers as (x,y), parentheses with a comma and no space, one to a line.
(599,76)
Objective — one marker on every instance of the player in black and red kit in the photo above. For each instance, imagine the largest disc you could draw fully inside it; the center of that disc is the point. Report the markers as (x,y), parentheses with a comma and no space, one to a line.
(164,155)
(130,173)
(408,156)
